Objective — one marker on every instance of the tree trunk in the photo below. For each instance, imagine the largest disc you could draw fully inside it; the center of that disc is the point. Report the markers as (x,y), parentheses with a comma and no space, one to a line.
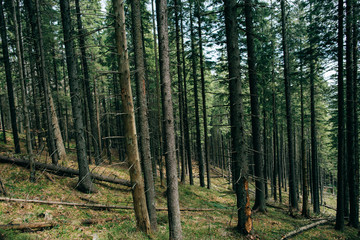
(180,90)
(292,177)
(85,184)
(255,112)
(23,93)
(305,204)
(314,154)
(203,94)
(143,111)
(340,206)
(93,121)
(9,84)
(131,145)
(238,144)
(185,103)
(350,117)
(168,120)
(158,96)
(196,98)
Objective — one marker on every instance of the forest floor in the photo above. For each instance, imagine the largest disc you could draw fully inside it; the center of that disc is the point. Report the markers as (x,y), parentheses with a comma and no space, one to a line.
(217,224)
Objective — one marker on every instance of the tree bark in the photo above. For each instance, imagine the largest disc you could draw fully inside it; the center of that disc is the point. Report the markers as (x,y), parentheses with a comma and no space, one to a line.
(168,121)
(23,93)
(350,118)
(185,103)
(196,98)
(292,177)
(180,90)
(255,112)
(203,94)
(305,205)
(143,111)
(238,144)
(341,123)
(132,151)
(85,184)
(93,121)
(8,76)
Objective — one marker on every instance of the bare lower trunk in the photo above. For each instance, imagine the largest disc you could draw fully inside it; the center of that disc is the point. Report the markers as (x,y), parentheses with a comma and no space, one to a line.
(168,120)
(132,151)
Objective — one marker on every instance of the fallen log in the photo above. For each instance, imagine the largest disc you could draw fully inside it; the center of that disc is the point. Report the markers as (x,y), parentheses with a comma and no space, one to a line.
(28,226)
(58,170)
(97,206)
(304,228)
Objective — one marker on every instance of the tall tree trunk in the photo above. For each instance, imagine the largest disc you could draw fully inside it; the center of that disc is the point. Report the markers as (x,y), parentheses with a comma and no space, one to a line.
(158,95)
(356,120)
(255,112)
(85,184)
(237,119)
(341,122)
(203,94)
(350,115)
(23,93)
(168,120)
(132,151)
(196,98)
(10,89)
(305,205)
(180,89)
(93,121)
(143,111)
(292,181)
(314,154)
(185,103)
(275,145)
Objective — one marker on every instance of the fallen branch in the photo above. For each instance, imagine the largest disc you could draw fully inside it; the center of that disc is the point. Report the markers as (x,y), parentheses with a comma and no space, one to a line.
(41,225)
(304,228)
(97,206)
(329,207)
(63,170)
(28,226)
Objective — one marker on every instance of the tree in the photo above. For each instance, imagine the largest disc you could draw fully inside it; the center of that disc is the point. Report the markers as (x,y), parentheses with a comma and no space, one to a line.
(143,111)
(23,91)
(90,102)
(168,122)
(85,184)
(255,112)
(10,90)
(203,94)
(350,118)
(237,119)
(132,152)
(196,98)
(292,184)
(341,122)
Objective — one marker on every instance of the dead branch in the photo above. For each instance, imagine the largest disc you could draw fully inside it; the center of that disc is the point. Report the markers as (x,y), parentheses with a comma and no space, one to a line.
(28,226)
(58,170)
(304,228)
(96,206)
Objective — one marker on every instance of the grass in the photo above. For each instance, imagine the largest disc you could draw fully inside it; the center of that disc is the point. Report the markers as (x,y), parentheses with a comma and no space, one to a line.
(218,224)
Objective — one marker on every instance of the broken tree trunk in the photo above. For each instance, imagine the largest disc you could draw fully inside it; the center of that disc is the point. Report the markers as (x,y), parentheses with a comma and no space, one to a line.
(97,206)
(63,170)
(304,228)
